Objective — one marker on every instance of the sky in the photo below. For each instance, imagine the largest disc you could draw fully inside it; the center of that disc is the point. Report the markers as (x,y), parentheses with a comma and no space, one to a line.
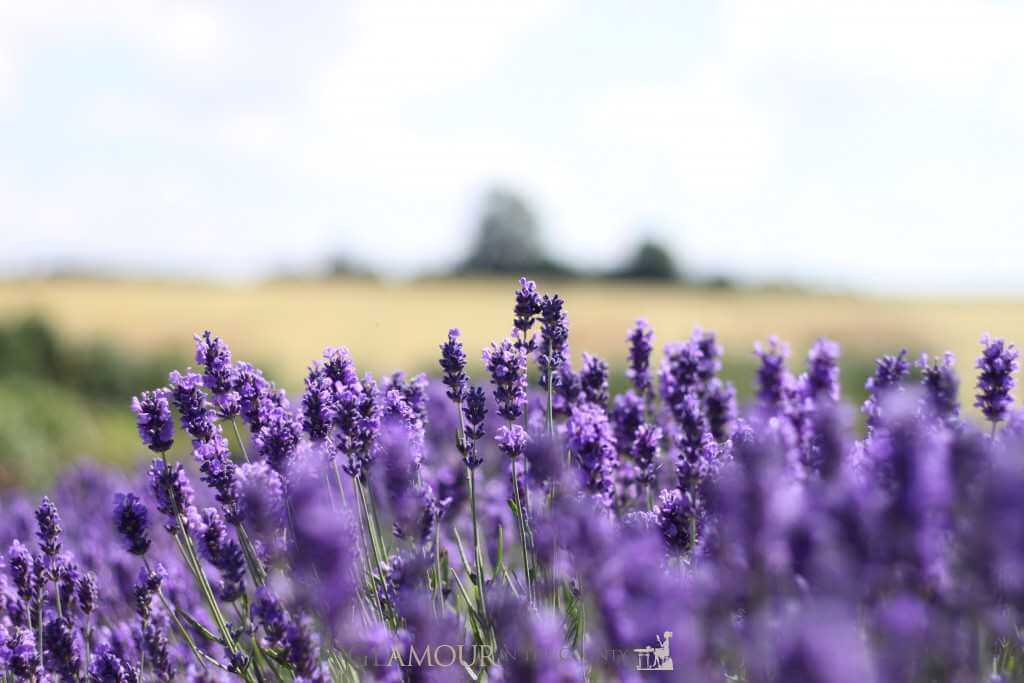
(869,145)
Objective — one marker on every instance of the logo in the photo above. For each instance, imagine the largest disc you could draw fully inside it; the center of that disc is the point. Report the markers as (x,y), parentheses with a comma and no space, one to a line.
(655,658)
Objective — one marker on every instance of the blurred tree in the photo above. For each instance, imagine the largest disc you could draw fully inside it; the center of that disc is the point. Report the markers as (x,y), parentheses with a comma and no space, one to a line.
(650,261)
(508,238)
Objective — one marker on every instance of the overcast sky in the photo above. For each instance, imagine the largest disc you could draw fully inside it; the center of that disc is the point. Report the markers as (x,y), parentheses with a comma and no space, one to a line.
(877,145)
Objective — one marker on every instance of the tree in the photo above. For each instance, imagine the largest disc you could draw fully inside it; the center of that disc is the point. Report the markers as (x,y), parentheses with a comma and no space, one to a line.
(650,261)
(508,238)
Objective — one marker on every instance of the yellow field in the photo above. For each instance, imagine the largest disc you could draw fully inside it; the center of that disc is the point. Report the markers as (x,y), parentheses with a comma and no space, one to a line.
(389,326)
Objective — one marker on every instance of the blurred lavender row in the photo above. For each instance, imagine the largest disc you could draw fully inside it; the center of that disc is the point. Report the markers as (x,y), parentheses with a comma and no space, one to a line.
(528,526)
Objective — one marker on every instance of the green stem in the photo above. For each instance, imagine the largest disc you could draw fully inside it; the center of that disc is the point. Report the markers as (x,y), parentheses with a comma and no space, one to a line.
(480,581)
(521,518)
(234,426)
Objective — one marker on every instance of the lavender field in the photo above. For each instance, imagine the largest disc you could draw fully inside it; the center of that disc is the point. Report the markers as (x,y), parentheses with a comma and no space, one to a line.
(508,517)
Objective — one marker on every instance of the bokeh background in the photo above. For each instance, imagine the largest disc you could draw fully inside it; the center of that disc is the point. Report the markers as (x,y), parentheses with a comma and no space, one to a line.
(370,174)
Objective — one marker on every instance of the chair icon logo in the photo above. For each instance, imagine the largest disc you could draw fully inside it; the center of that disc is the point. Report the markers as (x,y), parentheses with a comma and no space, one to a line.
(655,658)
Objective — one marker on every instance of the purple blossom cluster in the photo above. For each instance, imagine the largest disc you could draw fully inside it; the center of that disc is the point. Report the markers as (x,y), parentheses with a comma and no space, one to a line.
(403,529)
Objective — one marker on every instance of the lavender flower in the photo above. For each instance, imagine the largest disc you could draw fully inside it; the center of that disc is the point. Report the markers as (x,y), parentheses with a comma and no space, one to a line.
(217,468)
(223,552)
(107,667)
(507,367)
(823,370)
(268,614)
(772,376)
(593,445)
(131,519)
(193,408)
(153,414)
(512,440)
(594,380)
(528,307)
(278,438)
(63,657)
(941,386)
(711,355)
(640,340)
(679,374)
(627,415)
(720,408)
(253,394)
(474,412)
(317,404)
(645,451)
(890,371)
(219,374)
(49,529)
(259,495)
(677,520)
(171,491)
(997,363)
(554,338)
(453,365)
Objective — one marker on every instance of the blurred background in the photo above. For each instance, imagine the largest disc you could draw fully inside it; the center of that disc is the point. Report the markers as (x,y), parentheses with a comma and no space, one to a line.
(372,173)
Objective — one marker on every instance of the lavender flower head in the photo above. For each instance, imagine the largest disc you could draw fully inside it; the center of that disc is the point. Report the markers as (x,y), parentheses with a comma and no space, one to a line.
(131,519)
(645,451)
(890,371)
(512,440)
(594,380)
(474,412)
(278,439)
(823,370)
(679,373)
(711,352)
(317,403)
(997,363)
(49,528)
(941,386)
(153,416)
(259,495)
(219,375)
(772,377)
(171,490)
(554,338)
(677,520)
(528,307)
(507,367)
(640,340)
(453,365)
(193,408)
(593,445)
(720,408)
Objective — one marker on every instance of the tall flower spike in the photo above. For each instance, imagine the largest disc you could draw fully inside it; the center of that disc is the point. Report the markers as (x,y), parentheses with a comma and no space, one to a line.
(474,412)
(997,363)
(278,439)
(528,307)
(773,379)
(890,371)
(823,370)
(594,379)
(153,416)
(554,338)
(171,489)
(317,404)
(640,340)
(679,374)
(453,365)
(219,375)
(49,530)
(720,408)
(193,408)
(711,355)
(941,386)
(507,367)
(131,519)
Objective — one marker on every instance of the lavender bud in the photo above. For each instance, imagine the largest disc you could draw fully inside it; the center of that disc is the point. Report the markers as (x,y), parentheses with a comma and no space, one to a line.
(997,363)
(640,340)
(453,365)
(131,519)
(153,415)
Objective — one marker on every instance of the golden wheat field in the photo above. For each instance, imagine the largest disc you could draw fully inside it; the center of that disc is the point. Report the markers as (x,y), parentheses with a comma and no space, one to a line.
(389,326)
